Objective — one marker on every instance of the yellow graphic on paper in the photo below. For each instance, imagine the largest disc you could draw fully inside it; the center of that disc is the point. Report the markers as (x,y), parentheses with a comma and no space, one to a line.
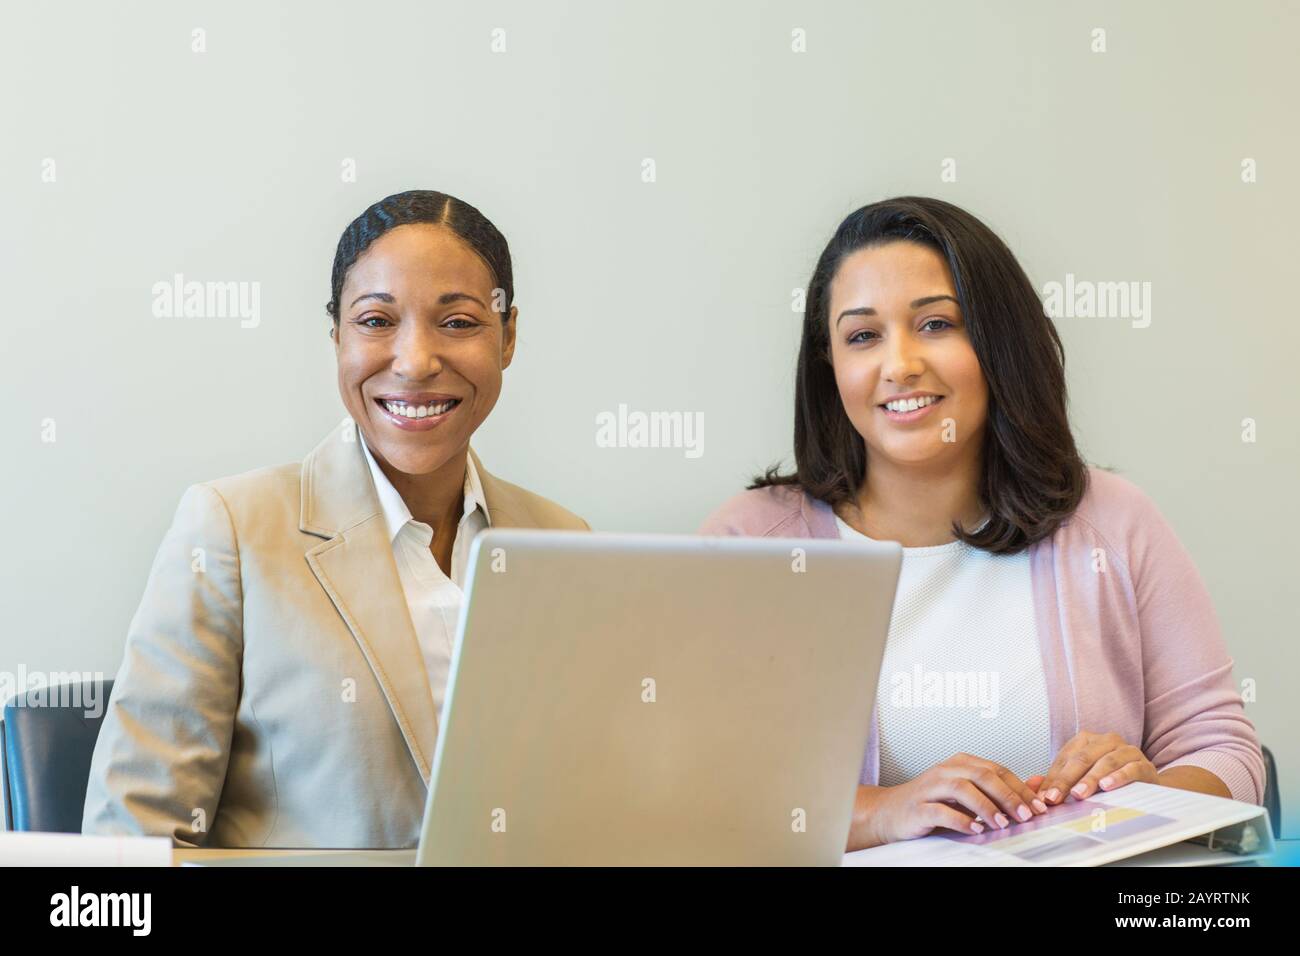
(1107,817)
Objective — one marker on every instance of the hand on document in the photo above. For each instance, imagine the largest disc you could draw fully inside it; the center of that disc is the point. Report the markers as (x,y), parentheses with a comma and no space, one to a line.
(1090,762)
(963,793)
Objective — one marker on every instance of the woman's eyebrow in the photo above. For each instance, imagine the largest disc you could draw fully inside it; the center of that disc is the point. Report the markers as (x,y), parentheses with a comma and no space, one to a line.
(919,303)
(915,304)
(381,296)
(445,299)
(860,310)
(449,297)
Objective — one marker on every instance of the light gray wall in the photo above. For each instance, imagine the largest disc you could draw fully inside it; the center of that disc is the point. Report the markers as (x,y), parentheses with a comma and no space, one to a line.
(671,295)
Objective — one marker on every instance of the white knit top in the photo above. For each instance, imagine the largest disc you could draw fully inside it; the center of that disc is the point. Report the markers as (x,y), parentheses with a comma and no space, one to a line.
(962,672)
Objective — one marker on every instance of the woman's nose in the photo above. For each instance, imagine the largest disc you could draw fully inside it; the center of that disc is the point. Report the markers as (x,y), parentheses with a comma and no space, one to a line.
(416,355)
(903,359)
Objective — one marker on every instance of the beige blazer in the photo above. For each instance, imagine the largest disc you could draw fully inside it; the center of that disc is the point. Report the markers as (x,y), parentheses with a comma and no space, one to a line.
(272,691)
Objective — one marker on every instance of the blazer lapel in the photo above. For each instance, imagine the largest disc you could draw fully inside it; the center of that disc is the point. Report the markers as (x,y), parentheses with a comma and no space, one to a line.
(506,507)
(356,568)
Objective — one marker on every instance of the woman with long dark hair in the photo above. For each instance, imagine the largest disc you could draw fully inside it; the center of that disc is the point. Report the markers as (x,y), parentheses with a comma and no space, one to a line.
(1050,635)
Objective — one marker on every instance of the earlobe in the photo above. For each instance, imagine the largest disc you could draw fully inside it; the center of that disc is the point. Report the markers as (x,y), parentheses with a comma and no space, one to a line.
(508,338)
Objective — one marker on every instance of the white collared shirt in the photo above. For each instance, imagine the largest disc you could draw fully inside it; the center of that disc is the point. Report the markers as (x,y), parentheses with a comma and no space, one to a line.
(432,598)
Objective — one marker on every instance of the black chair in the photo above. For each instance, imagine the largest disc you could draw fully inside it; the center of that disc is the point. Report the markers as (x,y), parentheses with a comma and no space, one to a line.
(1272,801)
(47,750)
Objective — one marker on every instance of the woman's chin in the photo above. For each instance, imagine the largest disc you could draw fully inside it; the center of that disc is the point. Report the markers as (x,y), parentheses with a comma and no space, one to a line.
(419,461)
(926,454)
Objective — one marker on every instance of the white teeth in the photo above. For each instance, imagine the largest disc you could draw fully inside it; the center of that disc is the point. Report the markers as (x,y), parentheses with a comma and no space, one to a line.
(911,404)
(418,411)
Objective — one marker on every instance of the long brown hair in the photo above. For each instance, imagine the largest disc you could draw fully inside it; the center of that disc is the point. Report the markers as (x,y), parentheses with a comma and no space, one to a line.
(1032,476)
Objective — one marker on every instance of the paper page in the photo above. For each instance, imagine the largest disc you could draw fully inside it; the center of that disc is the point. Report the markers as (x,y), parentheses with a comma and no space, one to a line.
(73,849)
(1105,827)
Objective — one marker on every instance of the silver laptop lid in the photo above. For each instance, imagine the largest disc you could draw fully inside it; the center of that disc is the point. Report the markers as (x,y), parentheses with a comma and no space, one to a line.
(657,699)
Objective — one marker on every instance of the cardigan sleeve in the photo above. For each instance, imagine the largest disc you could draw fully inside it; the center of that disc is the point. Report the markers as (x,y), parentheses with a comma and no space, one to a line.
(773,511)
(1194,714)
(725,520)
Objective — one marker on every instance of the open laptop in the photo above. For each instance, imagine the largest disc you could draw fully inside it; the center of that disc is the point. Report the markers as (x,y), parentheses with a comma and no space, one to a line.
(636,699)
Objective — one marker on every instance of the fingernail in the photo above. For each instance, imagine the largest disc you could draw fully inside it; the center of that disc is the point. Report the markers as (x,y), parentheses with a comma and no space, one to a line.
(1079,789)
(1040,806)
(977,827)
(1023,812)
(1053,794)
(1002,820)
(1106,782)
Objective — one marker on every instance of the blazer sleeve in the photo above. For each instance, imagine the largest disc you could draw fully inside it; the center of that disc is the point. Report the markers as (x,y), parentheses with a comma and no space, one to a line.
(1194,711)
(160,759)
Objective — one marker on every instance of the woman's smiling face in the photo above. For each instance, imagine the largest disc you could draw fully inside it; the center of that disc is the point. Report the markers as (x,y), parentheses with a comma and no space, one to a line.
(897,331)
(420,350)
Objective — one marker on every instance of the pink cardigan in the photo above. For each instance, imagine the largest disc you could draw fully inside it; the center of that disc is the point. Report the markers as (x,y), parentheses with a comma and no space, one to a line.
(1134,649)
